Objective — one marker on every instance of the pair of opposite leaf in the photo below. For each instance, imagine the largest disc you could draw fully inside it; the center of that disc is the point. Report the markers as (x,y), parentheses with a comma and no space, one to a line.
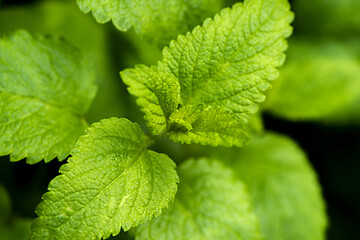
(216,72)
(211,80)
(219,71)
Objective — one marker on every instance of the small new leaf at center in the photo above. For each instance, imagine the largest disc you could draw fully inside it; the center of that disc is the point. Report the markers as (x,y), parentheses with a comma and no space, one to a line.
(226,63)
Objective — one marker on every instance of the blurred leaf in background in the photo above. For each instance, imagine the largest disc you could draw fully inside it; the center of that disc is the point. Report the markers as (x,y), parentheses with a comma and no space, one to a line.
(157,21)
(283,186)
(11,227)
(62,18)
(320,80)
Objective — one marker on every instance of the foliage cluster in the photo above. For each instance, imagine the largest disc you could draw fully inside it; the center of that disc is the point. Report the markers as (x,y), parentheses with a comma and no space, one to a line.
(197,162)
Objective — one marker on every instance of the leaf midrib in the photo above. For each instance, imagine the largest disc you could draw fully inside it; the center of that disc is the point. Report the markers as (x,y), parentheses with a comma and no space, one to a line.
(108,185)
(228,61)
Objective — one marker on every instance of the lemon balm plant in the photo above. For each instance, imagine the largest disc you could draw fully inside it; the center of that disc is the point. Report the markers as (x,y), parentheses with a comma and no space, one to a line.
(205,90)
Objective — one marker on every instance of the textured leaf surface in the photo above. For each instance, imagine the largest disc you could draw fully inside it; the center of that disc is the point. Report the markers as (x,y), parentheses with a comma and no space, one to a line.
(158,95)
(283,186)
(207,126)
(158,20)
(328,82)
(210,204)
(111,182)
(228,62)
(45,87)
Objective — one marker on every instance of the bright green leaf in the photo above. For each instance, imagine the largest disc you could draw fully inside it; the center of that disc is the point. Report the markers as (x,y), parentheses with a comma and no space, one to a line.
(210,204)
(283,186)
(45,87)
(228,62)
(111,182)
(158,95)
(207,126)
(318,80)
(157,20)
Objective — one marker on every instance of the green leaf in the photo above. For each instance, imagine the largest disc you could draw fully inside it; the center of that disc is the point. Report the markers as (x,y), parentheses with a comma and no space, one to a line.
(228,62)
(283,186)
(83,32)
(207,126)
(157,20)
(45,88)
(328,82)
(158,95)
(210,204)
(111,182)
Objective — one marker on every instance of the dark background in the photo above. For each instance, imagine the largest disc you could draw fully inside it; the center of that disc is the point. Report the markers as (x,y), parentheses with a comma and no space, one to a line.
(334,152)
